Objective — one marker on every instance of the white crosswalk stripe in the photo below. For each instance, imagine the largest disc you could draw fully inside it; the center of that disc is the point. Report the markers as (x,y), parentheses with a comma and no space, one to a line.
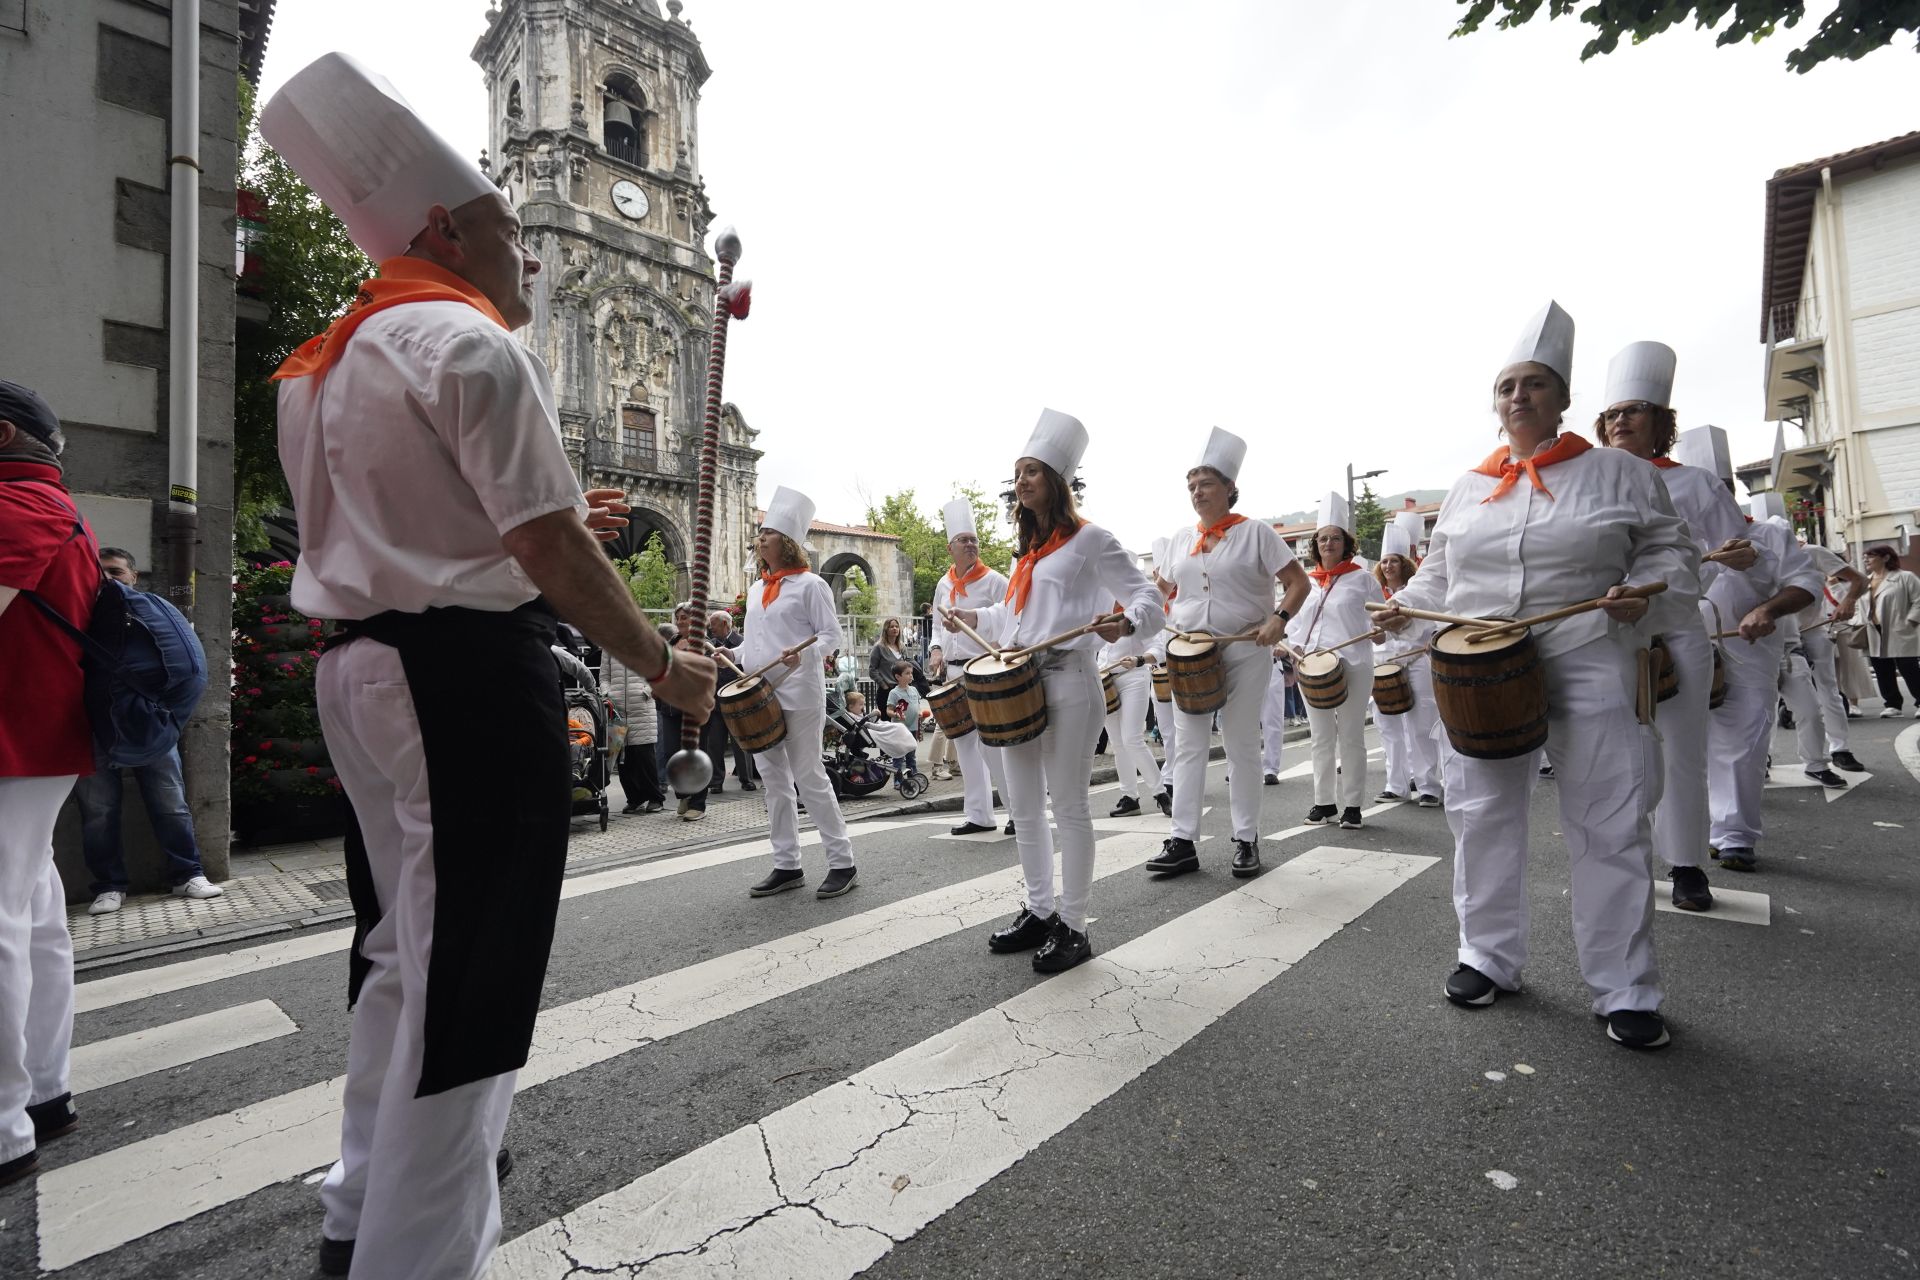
(175,1044)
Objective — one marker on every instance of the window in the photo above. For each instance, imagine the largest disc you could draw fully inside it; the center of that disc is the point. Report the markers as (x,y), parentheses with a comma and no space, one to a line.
(624,121)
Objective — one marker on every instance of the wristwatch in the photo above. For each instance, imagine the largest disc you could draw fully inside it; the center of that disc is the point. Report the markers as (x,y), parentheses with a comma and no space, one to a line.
(1283,615)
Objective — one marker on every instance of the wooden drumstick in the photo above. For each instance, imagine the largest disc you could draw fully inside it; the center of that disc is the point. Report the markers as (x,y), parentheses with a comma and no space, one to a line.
(1426,615)
(1063,637)
(1410,654)
(1368,635)
(784,655)
(1725,553)
(1585,606)
(968,631)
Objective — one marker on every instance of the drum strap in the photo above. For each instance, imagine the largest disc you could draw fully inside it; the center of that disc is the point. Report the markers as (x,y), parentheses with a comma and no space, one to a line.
(1314,626)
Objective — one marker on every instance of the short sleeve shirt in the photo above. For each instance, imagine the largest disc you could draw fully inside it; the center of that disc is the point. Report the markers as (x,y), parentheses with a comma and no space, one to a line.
(43,717)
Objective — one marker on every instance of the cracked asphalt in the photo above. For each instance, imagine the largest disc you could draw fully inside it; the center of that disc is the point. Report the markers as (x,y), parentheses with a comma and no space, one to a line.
(1341,1119)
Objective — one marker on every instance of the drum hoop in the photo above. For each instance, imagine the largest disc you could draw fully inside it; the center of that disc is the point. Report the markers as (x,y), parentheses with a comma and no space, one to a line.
(1505,644)
(1192,645)
(743,686)
(1004,666)
(1311,663)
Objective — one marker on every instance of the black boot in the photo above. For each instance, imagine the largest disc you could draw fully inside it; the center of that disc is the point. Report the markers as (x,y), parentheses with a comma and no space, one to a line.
(1064,949)
(1176,857)
(1025,933)
(1246,859)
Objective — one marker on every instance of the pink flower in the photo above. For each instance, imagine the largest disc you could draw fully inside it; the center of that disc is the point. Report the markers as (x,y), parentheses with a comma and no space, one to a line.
(266,746)
(249,759)
(313,770)
(253,693)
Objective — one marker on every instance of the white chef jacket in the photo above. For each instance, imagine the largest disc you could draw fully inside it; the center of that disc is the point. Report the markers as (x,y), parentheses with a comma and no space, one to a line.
(1783,563)
(1229,588)
(1071,587)
(1337,611)
(1135,646)
(1826,564)
(804,608)
(1608,523)
(958,645)
(431,436)
(1711,514)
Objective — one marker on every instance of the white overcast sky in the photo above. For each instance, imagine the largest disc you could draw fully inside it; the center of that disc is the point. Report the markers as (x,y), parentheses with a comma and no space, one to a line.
(1318,225)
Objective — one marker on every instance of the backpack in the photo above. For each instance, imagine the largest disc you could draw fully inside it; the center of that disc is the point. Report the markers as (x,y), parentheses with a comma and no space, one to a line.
(145,669)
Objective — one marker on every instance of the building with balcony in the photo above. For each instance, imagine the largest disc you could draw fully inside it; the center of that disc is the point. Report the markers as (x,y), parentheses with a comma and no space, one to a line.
(1840,318)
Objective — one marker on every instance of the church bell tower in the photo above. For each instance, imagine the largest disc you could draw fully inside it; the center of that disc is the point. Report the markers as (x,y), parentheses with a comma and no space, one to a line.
(594,137)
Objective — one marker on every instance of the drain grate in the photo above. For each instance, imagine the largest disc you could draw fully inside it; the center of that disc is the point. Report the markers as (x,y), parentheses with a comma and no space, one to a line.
(331,890)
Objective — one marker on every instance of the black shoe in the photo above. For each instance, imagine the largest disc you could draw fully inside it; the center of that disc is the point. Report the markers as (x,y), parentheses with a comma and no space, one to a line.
(1845,760)
(1271,780)
(1637,1028)
(1350,819)
(1470,988)
(1428,800)
(1025,933)
(1737,859)
(839,880)
(1246,859)
(19,1167)
(1321,814)
(970,828)
(1546,771)
(749,785)
(1690,892)
(1786,717)
(1827,778)
(1063,949)
(53,1117)
(778,882)
(1176,857)
(1164,801)
(716,789)
(1127,807)
(653,806)
(1009,826)
(635,807)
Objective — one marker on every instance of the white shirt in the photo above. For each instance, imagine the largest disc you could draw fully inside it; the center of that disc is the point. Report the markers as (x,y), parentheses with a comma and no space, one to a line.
(1711,514)
(803,608)
(432,436)
(1230,587)
(1071,587)
(1415,634)
(1135,646)
(1336,612)
(1826,564)
(1608,523)
(1783,563)
(958,645)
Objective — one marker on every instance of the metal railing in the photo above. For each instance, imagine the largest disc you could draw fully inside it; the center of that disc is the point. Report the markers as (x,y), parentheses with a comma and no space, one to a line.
(1796,321)
(652,462)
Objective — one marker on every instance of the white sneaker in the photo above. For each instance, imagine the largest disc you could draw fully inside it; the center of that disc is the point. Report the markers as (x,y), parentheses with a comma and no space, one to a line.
(1916,711)
(107,903)
(197,887)
(1888,713)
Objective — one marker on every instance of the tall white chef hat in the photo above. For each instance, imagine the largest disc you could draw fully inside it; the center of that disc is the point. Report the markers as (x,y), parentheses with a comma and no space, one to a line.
(1705,448)
(1224,453)
(1333,511)
(1059,441)
(1642,371)
(1767,506)
(790,512)
(1547,340)
(958,516)
(1394,542)
(1413,523)
(351,137)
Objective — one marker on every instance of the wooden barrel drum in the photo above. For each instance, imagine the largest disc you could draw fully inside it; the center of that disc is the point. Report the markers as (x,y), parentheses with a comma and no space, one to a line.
(1718,693)
(1162,685)
(1392,689)
(1112,691)
(1492,697)
(1006,699)
(1666,674)
(753,714)
(1323,680)
(1198,673)
(950,709)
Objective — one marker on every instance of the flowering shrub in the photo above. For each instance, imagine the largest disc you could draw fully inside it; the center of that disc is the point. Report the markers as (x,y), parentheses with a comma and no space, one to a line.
(277,747)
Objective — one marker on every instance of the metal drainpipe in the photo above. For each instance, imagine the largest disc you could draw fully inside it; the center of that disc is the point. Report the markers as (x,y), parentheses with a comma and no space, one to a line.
(183,310)
(1840,355)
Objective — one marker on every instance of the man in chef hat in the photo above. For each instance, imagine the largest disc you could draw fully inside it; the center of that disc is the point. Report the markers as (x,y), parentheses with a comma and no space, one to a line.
(439,518)
(968,584)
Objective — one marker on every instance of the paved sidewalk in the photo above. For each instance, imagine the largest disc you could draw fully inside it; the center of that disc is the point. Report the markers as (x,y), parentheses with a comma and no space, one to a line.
(280,888)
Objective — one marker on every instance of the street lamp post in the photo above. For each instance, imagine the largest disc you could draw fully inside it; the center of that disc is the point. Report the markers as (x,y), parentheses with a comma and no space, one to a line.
(1364,475)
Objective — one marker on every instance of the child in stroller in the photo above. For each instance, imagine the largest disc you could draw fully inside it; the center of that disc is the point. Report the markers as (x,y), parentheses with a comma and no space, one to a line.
(871,753)
(589,727)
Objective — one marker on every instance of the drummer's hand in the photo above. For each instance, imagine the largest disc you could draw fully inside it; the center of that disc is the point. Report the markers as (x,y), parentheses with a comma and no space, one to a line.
(689,686)
(1756,625)
(1624,608)
(791,662)
(956,616)
(1740,554)
(1112,629)
(606,510)
(1391,619)
(1271,632)
(1127,664)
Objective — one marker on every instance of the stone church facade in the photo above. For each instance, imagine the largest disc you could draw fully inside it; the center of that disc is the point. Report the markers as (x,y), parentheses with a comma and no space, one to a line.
(594,136)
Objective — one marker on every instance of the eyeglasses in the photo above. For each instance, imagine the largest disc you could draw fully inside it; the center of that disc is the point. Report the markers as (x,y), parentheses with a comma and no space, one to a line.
(1626,411)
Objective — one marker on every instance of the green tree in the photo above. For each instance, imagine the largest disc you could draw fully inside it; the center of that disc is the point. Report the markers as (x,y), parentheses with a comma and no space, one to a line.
(649,575)
(862,601)
(308,270)
(1852,30)
(1369,522)
(924,542)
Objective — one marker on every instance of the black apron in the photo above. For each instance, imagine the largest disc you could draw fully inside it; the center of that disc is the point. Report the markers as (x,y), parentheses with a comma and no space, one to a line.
(493,729)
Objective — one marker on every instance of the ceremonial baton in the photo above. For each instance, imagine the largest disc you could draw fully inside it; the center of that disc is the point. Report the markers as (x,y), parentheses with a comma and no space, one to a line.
(1063,637)
(1585,606)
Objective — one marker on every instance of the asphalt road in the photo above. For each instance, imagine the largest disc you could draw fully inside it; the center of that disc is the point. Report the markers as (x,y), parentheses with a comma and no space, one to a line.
(1298,1101)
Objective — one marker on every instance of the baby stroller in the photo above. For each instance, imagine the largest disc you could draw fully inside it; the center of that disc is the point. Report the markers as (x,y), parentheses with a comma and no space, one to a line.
(587,735)
(860,765)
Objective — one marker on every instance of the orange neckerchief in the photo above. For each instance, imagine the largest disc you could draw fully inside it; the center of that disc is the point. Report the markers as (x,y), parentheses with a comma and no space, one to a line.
(1211,534)
(974,574)
(1665,464)
(1500,463)
(770,584)
(1325,577)
(1021,584)
(401,280)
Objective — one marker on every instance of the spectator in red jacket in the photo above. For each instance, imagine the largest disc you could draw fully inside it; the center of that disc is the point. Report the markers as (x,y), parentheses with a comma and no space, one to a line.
(47,549)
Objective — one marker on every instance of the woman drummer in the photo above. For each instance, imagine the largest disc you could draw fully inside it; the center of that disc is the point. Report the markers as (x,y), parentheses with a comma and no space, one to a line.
(1223,569)
(1412,756)
(1639,419)
(1067,573)
(1548,521)
(788,606)
(1333,614)
(1128,662)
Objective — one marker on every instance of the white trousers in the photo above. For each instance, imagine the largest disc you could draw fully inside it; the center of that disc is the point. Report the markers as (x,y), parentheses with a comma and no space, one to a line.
(1823,661)
(1680,823)
(1340,738)
(794,763)
(1607,772)
(1273,720)
(1059,763)
(1809,727)
(414,1186)
(1127,732)
(1246,679)
(1412,754)
(1737,740)
(1164,715)
(981,773)
(36,958)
